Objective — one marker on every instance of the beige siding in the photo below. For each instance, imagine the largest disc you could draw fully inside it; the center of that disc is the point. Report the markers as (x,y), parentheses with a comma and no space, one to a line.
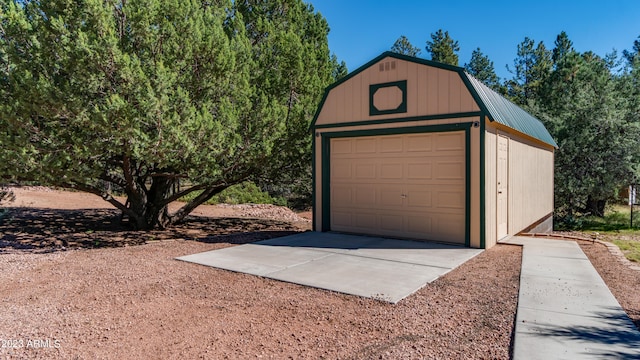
(474,213)
(530,185)
(408,185)
(530,188)
(430,91)
(490,180)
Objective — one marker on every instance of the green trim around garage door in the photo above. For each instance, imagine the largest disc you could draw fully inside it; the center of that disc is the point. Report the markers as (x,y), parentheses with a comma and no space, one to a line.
(326,166)
(467,167)
(326,189)
(401,120)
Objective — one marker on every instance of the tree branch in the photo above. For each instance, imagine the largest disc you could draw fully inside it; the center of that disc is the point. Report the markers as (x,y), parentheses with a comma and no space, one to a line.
(130,188)
(190,206)
(103,194)
(182,193)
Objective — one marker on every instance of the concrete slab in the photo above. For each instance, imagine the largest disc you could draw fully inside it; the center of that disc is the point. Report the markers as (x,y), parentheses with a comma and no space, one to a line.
(411,252)
(254,259)
(368,277)
(562,295)
(565,310)
(323,241)
(562,268)
(596,335)
(385,269)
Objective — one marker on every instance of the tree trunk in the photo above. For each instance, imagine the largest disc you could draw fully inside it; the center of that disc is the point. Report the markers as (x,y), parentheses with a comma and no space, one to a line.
(596,207)
(149,206)
(148,209)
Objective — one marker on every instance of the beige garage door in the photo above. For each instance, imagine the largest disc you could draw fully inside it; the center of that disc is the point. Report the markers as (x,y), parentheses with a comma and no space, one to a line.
(410,185)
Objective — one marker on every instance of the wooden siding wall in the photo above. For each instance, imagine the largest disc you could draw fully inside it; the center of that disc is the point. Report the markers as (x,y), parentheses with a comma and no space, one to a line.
(490,181)
(530,185)
(530,188)
(430,91)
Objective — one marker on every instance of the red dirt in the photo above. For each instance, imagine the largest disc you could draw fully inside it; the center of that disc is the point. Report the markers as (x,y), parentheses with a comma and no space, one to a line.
(75,287)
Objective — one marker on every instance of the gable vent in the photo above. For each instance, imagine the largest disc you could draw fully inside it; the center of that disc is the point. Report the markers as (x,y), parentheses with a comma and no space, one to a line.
(387,66)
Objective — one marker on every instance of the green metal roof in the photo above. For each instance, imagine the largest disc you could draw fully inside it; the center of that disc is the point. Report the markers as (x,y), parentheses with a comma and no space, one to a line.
(507,113)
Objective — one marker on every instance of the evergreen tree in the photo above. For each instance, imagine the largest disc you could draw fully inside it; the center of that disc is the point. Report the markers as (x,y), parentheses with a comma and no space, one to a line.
(403,46)
(443,48)
(634,54)
(482,69)
(531,67)
(293,67)
(141,94)
(339,69)
(562,47)
(598,144)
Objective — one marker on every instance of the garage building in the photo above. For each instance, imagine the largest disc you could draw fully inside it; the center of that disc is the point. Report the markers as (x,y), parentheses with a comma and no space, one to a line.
(410,148)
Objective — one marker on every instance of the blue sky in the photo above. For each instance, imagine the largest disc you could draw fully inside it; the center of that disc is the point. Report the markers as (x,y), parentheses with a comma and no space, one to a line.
(361,30)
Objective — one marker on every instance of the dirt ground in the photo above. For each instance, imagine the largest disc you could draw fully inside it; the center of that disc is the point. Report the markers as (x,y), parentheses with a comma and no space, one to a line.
(78,285)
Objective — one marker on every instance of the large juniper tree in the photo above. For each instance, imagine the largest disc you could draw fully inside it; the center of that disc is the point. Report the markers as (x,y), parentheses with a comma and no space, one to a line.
(599,149)
(143,94)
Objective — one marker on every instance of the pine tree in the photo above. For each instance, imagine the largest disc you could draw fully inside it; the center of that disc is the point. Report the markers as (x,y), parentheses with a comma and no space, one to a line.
(443,48)
(634,54)
(403,46)
(482,69)
(531,67)
(562,47)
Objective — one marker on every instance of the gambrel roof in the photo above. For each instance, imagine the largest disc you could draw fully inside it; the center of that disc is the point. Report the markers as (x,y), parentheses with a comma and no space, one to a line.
(491,104)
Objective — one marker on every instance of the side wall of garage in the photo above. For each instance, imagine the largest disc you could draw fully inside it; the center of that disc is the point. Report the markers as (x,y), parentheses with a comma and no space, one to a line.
(530,167)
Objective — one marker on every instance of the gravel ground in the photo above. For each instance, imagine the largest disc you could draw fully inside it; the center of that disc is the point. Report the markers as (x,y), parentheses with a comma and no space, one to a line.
(623,282)
(75,285)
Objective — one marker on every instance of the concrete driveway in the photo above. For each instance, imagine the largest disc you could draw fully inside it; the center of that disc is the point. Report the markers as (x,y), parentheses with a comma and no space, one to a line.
(385,269)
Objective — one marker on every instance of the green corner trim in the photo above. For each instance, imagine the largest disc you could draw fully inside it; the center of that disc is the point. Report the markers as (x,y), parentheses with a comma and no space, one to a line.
(314,193)
(483,190)
(402,108)
(474,94)
(467,215)
(326,186)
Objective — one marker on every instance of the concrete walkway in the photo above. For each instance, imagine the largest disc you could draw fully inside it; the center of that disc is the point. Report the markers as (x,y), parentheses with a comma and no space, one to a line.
(565,310)
(384,269)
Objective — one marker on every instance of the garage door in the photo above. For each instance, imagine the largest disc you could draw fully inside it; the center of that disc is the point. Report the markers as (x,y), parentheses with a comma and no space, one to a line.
(410,185)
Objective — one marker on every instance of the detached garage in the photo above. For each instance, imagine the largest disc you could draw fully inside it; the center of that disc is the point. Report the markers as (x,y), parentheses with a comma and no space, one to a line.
(410,148)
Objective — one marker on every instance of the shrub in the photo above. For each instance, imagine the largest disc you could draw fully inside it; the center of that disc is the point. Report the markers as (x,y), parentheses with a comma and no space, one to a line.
(244,193)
